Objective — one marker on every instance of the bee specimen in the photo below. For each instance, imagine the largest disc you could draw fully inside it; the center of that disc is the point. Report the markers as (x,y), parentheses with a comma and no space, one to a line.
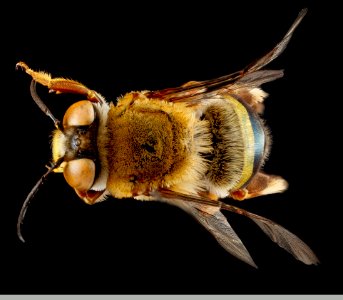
(188,146)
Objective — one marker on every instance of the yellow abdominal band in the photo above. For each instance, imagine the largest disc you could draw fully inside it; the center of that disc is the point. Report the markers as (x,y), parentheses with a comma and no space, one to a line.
(253,138)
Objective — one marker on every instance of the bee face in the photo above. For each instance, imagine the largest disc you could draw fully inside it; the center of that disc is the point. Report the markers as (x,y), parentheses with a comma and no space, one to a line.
(188,146)
(77,144)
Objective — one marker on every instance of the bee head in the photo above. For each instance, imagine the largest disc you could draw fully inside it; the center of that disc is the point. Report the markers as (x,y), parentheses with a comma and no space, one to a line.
(76,143)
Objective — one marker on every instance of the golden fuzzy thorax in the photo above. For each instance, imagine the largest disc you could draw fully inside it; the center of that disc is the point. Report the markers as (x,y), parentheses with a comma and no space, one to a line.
(152,144)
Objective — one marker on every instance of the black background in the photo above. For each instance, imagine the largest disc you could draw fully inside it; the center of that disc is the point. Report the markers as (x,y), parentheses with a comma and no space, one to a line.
(132,247)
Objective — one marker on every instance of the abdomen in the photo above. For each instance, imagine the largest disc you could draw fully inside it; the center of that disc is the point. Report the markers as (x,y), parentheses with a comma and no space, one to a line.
(240,145)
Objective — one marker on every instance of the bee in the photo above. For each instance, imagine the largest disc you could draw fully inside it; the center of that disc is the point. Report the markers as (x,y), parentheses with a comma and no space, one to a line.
(190,146)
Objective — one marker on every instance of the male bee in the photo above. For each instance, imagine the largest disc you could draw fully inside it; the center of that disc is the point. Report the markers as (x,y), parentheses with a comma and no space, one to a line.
(188,146)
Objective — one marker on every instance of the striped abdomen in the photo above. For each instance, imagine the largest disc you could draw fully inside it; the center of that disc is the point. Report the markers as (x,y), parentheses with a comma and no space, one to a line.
(240,144)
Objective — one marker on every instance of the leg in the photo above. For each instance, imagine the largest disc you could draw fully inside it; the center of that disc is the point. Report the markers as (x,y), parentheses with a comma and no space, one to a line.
(261,184)
(60,85)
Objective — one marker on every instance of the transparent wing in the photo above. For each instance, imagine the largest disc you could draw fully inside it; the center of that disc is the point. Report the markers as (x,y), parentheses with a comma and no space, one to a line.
(251,76)
(218,226)
(286,240)
(280,235)
(207,213)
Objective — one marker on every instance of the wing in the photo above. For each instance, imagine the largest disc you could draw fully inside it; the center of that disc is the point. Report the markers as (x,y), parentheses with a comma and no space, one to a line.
(215,222)
(250,77)
(207,212)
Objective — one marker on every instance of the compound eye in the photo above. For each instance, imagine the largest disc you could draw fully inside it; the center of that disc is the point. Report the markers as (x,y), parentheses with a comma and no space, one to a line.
(79,114)
(80,173)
